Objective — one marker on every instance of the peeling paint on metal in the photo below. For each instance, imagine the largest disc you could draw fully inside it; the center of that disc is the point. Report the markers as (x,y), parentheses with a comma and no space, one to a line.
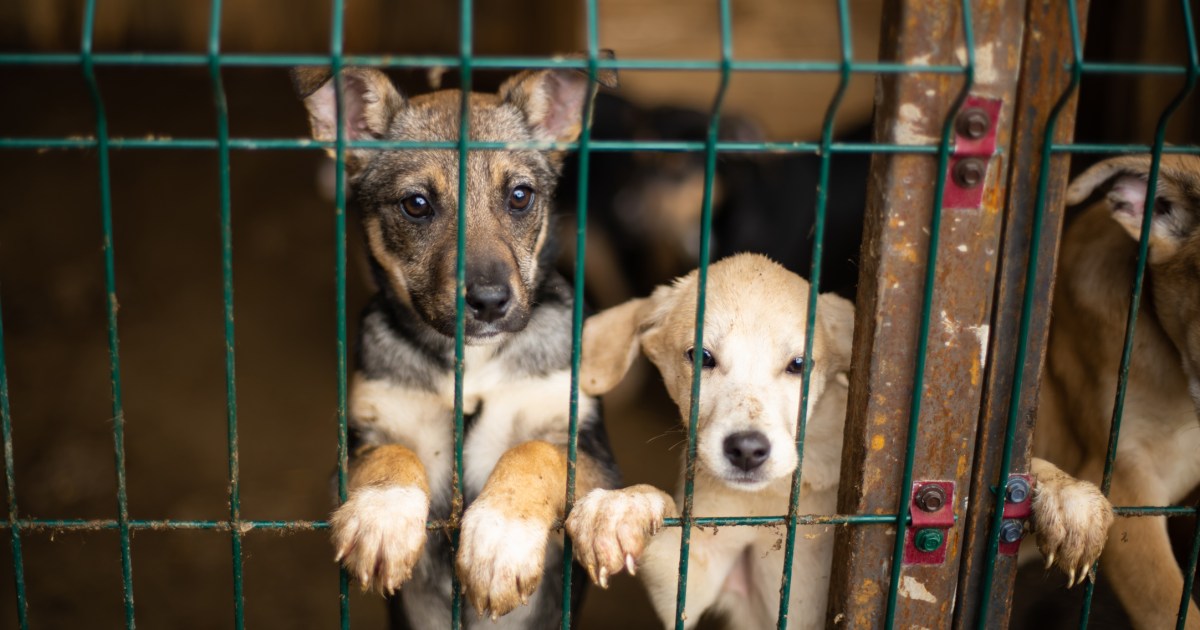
(912,588)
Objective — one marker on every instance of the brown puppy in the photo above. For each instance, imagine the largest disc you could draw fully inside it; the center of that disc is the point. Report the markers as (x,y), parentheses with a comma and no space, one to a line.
(517,368)
(1156,461)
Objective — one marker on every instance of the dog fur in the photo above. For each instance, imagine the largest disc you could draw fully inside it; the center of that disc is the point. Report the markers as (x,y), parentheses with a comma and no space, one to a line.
(518,338)
(754,329)
(1156,461)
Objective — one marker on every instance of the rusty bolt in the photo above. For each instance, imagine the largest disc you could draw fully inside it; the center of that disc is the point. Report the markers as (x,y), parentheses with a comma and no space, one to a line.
(1018,490)
(928,540)
(973,123)
(969,172)
(1011,531)
(930,497)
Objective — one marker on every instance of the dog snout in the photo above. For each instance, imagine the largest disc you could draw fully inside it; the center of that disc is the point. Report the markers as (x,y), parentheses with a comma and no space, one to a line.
(747,450)
(488,301)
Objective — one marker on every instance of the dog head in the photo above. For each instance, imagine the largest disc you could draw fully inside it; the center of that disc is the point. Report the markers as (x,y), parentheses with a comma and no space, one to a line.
(1174,249)
(753,359)
(409,198)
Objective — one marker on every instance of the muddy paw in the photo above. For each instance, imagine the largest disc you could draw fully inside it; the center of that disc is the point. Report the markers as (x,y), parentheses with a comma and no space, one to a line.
(1071,519)
(500,558)
(610,528)
(379,534)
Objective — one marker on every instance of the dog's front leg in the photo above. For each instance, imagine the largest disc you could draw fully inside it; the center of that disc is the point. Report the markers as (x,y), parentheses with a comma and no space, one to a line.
(610,528)
(379,531)
(505,531)
(1138,558)
(1071,519)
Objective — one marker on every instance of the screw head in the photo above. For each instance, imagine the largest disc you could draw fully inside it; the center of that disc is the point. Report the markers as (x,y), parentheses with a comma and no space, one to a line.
(973,123)
(928,539)
(930,497)
(969,172)
(1011,531)
(1018,490)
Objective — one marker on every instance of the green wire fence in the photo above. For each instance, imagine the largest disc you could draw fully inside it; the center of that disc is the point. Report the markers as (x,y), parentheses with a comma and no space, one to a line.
(592,63)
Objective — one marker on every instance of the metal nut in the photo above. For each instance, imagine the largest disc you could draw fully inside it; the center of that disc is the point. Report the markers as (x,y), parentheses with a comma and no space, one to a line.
(973,123)
(928,539)
(969,172)
(930,497)
(1011,531)
(1018,490)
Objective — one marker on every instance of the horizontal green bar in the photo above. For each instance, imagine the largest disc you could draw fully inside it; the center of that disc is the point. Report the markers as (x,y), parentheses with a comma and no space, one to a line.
(437,61)
(1083,147)
(1097,67)
(106,524)
(811,519)
(1154,511)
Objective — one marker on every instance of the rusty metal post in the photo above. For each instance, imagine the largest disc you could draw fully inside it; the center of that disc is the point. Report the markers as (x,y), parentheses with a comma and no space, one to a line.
(1043,83)
(912,110)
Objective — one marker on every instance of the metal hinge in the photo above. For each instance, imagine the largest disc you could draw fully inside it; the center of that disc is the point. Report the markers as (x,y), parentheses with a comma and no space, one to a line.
(1018,507)
(932,508)
(974,145)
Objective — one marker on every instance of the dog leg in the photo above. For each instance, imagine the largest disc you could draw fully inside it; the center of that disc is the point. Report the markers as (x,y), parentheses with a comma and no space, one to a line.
(379,531)
(505,531)
(711,559)
(609,528)
(1138,558)
(1071,518)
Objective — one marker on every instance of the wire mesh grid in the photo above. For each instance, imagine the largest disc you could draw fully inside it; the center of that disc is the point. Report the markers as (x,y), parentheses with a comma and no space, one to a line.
(591,63)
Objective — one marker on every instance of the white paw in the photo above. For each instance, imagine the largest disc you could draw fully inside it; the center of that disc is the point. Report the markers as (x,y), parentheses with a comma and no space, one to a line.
(500,558)
(610,528)
(379,534)
(1071,518)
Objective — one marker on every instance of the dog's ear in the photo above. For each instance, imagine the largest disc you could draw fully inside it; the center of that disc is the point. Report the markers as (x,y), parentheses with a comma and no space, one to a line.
(1175,211)
(552,99)
(835,316)
(610,344)
(369,102)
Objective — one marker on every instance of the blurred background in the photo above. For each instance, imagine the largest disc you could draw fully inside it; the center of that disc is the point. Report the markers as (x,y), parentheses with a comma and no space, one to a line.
(168,265)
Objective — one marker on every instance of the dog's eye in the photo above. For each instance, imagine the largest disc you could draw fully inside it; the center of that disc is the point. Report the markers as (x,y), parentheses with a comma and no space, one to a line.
(520,199)
(416,207)
(796,366)
(707,360)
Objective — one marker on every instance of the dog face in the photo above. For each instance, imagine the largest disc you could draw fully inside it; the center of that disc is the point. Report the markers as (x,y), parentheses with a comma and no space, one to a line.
(753,355)
(1174,250)
(409,199)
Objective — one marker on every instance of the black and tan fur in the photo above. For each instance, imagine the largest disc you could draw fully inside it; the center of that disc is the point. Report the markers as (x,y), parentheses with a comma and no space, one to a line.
(517,360)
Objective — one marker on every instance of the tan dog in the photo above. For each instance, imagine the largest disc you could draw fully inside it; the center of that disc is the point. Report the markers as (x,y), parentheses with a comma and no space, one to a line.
(1156,460)
(750,395)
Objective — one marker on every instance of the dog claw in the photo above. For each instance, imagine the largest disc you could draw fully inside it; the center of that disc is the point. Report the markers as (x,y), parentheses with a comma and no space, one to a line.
(1071,578)
(1049,560)
(603,577)
(630,565)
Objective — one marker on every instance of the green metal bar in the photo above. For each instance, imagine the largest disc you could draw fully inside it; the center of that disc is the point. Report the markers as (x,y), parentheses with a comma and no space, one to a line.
(710,170)
(110,283)
(258,144)
(465,40)
(585,137)
(1189,578)
(918,388)
(1035,239)
(1193,72)
(336,44)
(789,549)
(35,525)
(1126,149)
(10,480)
(235,493)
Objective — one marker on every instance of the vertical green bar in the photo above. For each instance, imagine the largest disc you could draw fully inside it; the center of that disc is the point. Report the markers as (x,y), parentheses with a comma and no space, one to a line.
(460,296)
(339,263)
(1189,576)
(935,226)
(1035,239)
(1139,279)
(585,137)
(110,286)
(710,169)
(235,493)
(810,323)
(14,530)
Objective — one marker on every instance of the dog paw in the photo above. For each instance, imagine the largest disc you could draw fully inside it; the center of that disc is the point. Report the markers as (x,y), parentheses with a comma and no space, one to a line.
(379,534)
(610,528)
(500,558)
(1071,518)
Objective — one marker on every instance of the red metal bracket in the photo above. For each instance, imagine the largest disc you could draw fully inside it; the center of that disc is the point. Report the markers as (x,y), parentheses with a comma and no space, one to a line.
(974,145)
(1016,512)
(929,525)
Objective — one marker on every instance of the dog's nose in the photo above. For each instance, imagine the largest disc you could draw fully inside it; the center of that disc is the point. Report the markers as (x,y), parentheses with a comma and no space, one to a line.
(747,449)
(488,302)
